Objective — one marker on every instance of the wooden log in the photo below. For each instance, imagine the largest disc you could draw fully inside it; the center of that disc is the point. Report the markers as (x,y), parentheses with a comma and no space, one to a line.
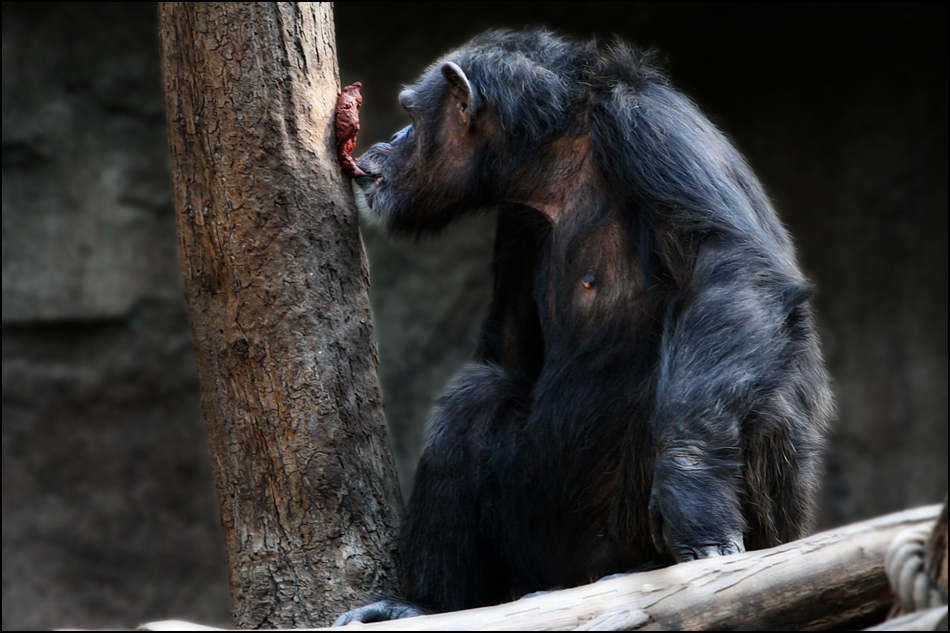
(834,579)
(937,551)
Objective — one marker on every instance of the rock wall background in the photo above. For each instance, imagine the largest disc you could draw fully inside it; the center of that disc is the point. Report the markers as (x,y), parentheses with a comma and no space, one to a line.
(109,516)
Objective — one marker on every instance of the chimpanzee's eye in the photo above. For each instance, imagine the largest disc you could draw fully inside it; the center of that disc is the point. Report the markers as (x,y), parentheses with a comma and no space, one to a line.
(398,136)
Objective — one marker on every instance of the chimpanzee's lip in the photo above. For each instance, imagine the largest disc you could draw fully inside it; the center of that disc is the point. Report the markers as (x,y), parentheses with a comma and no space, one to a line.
(367,179)
(370,174)
(365,167)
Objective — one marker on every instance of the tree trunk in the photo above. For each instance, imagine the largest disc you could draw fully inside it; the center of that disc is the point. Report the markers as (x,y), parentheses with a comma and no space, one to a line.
(276,282)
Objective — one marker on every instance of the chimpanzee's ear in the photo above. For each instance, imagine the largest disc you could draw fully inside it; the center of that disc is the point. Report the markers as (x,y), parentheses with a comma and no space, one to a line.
(461,90)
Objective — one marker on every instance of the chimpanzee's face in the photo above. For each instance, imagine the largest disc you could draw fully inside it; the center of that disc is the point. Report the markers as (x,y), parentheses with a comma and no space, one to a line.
(434,170)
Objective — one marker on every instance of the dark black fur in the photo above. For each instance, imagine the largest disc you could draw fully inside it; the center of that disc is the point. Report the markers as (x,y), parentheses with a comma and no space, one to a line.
(648,386)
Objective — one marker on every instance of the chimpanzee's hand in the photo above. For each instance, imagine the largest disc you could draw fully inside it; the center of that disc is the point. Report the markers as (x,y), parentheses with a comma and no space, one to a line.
(683,537)
(380,612)
(686,552)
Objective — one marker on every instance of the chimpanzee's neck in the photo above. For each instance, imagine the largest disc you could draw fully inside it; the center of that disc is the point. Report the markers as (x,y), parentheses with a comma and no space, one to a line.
(561,179)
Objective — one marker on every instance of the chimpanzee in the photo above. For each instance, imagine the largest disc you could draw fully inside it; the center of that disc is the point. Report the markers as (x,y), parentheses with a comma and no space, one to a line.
(648,386)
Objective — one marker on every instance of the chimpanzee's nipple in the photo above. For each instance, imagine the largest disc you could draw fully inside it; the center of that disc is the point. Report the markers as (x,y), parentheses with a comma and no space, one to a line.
(589,279)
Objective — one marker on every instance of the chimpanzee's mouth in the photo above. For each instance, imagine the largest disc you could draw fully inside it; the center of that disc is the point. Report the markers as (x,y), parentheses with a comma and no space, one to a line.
(368,177)
(370,167)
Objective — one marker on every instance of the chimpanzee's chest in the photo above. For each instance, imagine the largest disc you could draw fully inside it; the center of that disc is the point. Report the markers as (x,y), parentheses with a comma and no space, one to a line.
(591,290)
(601,325)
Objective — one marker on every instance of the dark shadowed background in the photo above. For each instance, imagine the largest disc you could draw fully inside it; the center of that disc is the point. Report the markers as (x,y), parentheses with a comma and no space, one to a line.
(109,514)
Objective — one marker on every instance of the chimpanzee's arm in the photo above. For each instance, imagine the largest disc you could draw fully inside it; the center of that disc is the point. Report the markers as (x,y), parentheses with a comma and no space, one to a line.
(726,345)
(511,335)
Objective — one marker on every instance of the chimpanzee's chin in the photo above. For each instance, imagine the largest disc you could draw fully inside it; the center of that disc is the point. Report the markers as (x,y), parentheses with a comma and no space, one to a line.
(363,204)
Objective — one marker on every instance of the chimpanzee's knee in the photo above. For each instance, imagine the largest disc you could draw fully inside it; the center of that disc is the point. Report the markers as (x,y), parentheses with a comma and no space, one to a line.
(478,402)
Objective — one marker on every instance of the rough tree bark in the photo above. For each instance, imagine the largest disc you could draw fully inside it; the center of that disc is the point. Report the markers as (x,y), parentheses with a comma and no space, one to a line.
(276,282)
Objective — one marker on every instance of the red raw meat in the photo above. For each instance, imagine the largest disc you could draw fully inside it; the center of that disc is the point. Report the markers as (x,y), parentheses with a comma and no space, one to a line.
(347,126)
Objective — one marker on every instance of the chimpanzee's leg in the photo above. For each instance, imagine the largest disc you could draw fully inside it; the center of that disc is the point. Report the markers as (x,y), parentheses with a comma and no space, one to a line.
(449,556)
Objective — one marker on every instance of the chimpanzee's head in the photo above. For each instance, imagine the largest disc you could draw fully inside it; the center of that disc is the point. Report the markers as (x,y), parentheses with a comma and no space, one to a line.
(429,172)
(480,117)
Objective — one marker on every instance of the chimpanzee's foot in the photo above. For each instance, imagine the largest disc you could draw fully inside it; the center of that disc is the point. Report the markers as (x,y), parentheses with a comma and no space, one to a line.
(539,593)
(612,576)
(380,612)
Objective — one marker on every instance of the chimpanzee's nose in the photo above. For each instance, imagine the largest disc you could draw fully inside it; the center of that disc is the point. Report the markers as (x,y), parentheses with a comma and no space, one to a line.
(398,136)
